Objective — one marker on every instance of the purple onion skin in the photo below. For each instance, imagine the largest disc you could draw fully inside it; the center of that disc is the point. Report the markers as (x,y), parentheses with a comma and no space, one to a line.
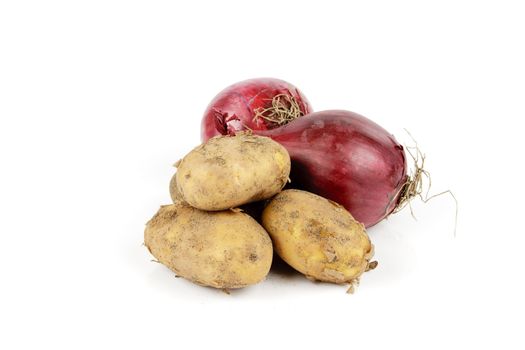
(347,158)
(233,109)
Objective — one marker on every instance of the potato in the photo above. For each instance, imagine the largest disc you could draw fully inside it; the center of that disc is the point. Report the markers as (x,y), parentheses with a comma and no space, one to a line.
(253,209)
(224,249)
(317,237)
(228,171)
(174,191)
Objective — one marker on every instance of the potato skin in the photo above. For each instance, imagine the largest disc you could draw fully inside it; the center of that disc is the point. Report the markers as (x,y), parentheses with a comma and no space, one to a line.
(174,191)
(317,237)
(218,249)
(229,171)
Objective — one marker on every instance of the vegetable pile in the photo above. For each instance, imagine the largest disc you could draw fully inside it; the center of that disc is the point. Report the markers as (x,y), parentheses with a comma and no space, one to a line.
(272,176)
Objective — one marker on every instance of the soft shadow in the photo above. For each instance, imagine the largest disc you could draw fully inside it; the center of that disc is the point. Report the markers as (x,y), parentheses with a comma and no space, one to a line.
(282,269)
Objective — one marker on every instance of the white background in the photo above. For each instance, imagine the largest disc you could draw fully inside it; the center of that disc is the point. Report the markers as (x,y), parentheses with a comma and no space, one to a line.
(99,98)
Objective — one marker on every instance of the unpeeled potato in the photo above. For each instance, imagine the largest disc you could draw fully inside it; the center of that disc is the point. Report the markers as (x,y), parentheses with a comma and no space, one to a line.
(226,249)
(317,237)
(229,171)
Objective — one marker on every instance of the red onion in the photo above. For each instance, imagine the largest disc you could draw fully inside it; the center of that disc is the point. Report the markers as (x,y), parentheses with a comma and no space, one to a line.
(348,159)
(255,104)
